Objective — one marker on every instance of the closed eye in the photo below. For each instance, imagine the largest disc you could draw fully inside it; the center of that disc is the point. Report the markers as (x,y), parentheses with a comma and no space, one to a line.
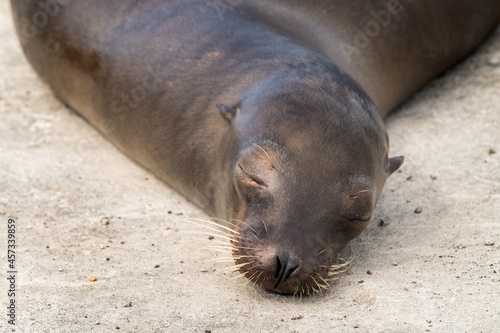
(254,180)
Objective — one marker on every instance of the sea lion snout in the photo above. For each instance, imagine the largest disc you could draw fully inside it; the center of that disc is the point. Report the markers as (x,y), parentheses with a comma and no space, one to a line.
(269,259)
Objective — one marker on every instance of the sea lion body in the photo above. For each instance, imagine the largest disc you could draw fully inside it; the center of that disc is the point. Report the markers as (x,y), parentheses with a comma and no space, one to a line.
(296,155)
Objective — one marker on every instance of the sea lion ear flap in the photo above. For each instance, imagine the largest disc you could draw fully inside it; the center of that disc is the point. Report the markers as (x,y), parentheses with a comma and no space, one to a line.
(395,163)
(226,112)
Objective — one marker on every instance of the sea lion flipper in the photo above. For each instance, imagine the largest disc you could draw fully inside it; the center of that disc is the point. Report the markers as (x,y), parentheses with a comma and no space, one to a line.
(395,163)
(226,112)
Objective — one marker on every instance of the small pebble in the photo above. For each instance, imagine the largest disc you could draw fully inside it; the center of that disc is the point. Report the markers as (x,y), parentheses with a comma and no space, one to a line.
(491,151)
(418,210)
(385,222)
(494,61)
(489,243)
(369,272)
(92,278)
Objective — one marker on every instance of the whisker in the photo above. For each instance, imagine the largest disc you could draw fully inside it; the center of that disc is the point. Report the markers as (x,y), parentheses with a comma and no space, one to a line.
(249,279)
(229,223)
(203,221)
(224,246)
(218,241)
(216,250)
(239,276)
(354,195)
(236,267)
(263,151)
(236,249)
(265,226)
(214,233)
(257,278)
(326,284)
(197,222)
(322,251)
(246,224)
(236,246)
(230,269)
(241,257)
(229,239)
(218,233)
(210,234)
(243,274)
(239,221)
(218,260)
(317,284)
(226,249)
(337,270)
(298,291)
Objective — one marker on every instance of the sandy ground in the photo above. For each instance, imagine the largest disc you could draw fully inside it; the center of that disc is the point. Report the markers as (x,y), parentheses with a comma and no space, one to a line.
(82,208)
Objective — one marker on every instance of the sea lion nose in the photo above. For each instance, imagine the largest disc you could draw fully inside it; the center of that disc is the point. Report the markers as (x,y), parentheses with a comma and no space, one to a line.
(285,266)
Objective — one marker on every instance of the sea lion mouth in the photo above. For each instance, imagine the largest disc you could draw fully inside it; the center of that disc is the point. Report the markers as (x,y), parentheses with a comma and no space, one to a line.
(280,272)
(276,271)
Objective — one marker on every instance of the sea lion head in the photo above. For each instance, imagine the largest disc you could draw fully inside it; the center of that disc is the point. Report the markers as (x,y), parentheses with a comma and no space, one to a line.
(312,161)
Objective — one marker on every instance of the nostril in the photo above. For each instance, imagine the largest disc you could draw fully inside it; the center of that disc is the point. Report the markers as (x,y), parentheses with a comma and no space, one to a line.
(285,266)
(281,262)
(292,266)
